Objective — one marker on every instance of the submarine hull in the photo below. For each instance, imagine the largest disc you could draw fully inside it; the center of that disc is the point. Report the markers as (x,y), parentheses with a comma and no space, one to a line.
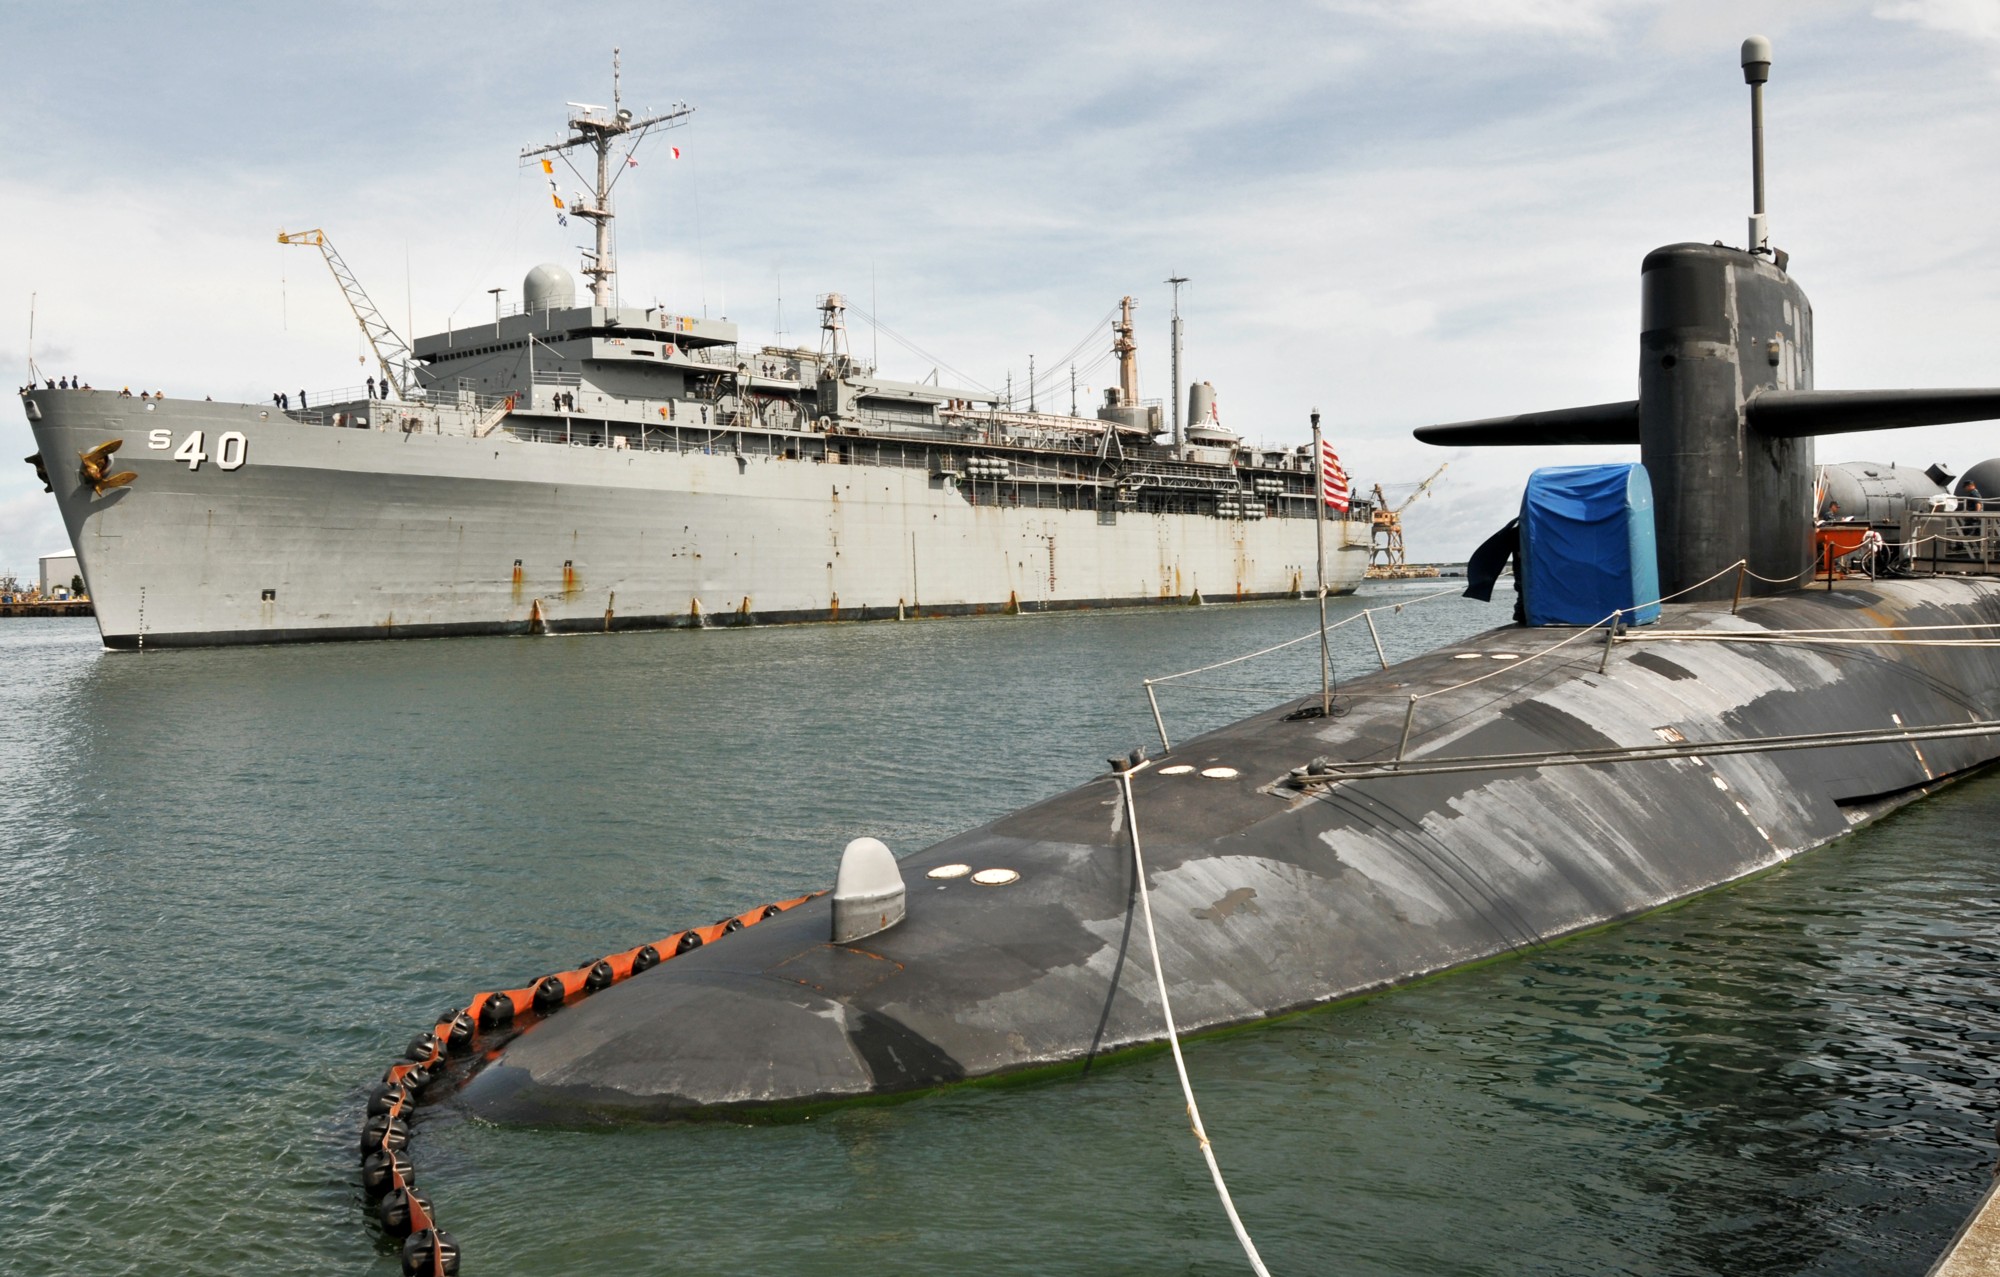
(1270,898)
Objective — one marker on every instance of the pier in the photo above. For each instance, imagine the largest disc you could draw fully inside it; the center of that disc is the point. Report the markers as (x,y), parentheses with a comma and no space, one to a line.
(1975,1252)
(47,607)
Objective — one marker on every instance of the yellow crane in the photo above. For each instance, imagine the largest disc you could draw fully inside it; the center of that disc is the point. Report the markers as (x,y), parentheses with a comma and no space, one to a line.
(399,364)
(1385,531)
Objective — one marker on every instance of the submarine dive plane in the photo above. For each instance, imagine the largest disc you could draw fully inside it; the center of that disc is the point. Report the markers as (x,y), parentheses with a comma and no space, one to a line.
(1591,767)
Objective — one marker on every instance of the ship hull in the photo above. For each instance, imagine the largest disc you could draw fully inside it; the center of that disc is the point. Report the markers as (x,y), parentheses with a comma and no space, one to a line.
(309,532)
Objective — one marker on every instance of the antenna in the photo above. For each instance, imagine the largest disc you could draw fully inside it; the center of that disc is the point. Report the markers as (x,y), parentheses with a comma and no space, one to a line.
(1180,433)
(1756,70)
(591,129)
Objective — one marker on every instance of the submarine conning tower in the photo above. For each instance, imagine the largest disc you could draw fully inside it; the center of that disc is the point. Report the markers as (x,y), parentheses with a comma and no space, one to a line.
(1727,408)
(1720,328)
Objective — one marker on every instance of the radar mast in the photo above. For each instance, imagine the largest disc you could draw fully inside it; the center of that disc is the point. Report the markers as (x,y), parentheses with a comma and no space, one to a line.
(597,127)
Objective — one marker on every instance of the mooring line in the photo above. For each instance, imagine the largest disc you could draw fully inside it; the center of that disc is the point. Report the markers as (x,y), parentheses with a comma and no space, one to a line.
(1173,1034)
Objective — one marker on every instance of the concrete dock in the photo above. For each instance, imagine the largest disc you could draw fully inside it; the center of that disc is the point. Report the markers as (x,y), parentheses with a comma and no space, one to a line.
(1975,1251)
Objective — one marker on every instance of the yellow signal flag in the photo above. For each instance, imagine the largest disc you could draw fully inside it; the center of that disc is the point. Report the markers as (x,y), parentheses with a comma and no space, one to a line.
(556,200)
(548,166)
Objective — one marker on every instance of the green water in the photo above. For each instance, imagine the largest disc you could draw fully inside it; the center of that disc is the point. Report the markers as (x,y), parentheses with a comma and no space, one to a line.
(233,884)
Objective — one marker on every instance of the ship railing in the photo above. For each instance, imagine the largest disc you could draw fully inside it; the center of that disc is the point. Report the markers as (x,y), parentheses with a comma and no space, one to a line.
(722,356)
(592,433)
(1951,542)
(342,398)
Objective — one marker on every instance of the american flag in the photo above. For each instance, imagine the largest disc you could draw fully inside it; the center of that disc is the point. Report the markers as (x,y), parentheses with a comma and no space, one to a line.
(1333,479)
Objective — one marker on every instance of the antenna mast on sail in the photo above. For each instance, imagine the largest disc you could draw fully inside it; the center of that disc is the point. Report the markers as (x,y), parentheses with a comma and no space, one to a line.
(597,127)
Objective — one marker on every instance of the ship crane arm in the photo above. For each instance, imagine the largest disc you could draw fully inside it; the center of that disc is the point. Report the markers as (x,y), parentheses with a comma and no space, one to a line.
(1423,487)
(391,351)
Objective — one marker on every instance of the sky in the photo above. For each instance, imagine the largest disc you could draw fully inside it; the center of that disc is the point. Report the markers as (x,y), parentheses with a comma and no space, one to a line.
(1394,211)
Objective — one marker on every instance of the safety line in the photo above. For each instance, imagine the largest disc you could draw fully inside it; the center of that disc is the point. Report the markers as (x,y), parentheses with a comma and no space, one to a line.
(1810,640)
(1835,629)
(1303,638)
(1588,630)
(1173,1034)
(1336,772)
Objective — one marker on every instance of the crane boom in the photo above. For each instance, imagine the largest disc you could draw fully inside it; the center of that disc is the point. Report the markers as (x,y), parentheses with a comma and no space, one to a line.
(399,364)
(1423,487)
(1385,550)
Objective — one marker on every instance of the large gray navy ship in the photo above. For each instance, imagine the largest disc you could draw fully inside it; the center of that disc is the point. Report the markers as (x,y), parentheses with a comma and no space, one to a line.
(583,465)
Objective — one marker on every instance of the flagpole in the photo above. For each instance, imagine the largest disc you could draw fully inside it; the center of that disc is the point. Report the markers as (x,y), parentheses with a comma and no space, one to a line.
(1319,540)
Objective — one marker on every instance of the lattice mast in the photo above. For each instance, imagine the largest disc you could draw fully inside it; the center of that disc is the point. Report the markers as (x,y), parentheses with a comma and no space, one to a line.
(598,128)
(398,364)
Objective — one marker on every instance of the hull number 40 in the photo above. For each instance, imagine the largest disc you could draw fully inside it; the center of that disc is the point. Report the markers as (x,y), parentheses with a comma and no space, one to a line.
(232,449)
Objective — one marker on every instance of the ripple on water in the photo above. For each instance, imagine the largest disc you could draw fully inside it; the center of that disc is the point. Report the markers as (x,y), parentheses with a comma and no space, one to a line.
(235,882)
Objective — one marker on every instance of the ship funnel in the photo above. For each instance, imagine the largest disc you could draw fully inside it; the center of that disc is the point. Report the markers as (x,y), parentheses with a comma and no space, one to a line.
(1756,70)
(548,287)
(1200,405)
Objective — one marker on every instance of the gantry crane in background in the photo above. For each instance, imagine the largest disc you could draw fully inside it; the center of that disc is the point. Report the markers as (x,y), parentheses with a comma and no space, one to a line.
(1385,531)
(399,364)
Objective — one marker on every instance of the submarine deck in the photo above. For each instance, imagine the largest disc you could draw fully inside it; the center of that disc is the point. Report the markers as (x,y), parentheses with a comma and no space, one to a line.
(1272,898)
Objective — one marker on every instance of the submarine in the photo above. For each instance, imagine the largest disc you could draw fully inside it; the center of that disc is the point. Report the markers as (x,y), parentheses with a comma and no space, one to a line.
(1696,692)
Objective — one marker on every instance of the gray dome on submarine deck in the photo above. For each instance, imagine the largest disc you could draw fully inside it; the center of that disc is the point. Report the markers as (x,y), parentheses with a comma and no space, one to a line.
(548,287)
(1877,493)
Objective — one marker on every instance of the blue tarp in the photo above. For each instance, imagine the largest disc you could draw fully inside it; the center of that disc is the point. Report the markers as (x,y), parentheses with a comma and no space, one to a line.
(1587,546)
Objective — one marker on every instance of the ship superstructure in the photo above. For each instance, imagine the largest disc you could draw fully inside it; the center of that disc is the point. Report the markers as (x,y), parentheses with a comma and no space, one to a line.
(579,464)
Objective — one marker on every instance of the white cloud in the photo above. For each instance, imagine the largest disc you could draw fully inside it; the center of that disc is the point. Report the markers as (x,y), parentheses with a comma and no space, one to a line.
(1398,213)
(1570,18)
(1979,19)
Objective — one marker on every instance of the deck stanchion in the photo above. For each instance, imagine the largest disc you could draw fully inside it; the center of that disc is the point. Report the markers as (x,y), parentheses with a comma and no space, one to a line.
(1166,746)
(1377,636)
(1409,721)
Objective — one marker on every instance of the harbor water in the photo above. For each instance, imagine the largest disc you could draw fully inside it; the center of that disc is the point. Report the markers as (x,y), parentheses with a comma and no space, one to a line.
(233,883)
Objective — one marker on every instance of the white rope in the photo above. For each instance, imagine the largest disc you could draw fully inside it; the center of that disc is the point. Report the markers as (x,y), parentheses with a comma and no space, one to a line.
(1582,633)
(1303,638)
(1276,647)
(1514,665)
(1173,1034)
(1753,573)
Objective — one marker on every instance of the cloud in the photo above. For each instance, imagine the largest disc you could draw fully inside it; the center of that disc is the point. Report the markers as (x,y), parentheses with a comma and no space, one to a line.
(1979,19)
(1569,19)
(1398,213)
